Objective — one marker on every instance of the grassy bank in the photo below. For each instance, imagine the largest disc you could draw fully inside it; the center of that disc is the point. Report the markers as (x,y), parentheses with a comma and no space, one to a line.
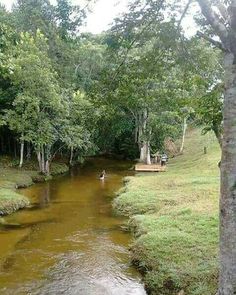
(174,217)
(12,178)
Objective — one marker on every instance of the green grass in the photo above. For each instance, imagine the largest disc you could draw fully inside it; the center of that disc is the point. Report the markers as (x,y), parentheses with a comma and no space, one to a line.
(174,217)
(10,201)
(12,177)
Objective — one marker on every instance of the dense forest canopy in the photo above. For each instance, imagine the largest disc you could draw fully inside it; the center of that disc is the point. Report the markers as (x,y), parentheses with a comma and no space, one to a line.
(126,91)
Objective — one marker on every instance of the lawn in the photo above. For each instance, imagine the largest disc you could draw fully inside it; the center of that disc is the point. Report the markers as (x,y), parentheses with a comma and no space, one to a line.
(12,178)
(174,218)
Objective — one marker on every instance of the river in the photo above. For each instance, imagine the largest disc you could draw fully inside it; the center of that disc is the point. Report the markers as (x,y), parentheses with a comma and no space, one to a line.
(70,241)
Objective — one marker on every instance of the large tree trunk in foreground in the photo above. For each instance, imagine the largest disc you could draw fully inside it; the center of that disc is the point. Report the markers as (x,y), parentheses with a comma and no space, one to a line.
(224,25)
(21,154)
(227,280)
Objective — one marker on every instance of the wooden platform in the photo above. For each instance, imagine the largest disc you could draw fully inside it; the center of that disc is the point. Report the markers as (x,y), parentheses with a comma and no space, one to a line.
(150,168)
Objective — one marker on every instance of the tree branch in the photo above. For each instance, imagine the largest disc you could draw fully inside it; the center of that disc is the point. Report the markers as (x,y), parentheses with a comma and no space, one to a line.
(212,41)
(232,15)
(223,11)
(134,41)
(184,13)
(215,22)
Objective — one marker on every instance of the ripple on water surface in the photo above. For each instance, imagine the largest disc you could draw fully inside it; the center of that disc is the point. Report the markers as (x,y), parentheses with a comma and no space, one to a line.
(73,244)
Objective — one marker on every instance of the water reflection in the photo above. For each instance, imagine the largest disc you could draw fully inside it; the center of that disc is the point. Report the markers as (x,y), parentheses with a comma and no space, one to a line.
(71,244)
(44,197)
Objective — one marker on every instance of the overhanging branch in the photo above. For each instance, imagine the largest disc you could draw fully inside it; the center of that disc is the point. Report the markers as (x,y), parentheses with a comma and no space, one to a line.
(212,41)
(215,21)
(184,13)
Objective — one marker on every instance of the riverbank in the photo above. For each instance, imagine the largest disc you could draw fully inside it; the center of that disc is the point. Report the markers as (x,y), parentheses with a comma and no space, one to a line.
(174,218)
(12,178)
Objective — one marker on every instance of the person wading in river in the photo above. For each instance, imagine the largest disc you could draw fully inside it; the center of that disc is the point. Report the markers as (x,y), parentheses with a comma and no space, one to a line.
(102,175)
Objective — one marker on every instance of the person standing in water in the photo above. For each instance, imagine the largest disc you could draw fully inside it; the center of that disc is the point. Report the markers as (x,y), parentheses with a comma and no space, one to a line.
(102,175)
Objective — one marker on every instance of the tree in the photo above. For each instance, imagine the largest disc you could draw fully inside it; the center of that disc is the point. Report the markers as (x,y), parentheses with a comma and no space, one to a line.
(77,127)
(221,16)
(30,16)
(209,110)
(185,113)
(38,105)
(69,18)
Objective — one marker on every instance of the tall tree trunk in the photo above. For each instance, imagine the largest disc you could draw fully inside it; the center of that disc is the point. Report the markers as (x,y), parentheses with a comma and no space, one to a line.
(39,160)
(15,148)
(47,167)
(148,158)
(21,153)
(28,156)
(48,160)
(183,135)
(143,153)
(42,159)
(71,156)
(227,36)
(144,144)
(227,278)
(138,128)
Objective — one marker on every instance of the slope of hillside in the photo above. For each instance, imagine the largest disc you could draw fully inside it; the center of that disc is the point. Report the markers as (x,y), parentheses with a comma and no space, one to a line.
(174,217)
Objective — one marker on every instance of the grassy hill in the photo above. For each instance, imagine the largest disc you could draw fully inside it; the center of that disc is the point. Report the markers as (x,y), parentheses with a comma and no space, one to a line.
(174,217)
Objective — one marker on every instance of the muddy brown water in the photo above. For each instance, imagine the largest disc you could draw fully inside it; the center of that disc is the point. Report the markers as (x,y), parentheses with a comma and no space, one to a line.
(70,241)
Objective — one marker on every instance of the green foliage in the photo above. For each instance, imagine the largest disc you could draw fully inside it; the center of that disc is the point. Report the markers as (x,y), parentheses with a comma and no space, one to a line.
(77,126)
(38,103)
(69,18)
(79,94)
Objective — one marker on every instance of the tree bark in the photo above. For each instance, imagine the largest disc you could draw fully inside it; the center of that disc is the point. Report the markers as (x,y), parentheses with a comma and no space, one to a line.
(28,156)
(39,160)
(227,35)
(42,159)
(227,278)
(144,144)
(71,156)
(21,154)
(183,136)
(148,159)
(143,153)
(48,160)
(47,167)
